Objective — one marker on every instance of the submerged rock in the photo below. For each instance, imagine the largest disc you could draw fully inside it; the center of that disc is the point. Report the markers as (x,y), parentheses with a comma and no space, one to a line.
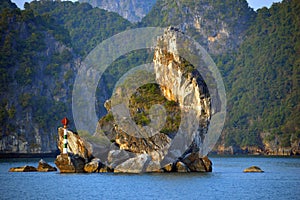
(253,169)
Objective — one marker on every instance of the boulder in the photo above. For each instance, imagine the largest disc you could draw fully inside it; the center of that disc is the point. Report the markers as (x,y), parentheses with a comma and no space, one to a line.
(96,166)
(181,167)
(197,164)
(116,157)
(168,167)
(253,169)
(154,166)
(45,167)
(137,164)
(207,163)
(68,163)
(25,168)
(93,166)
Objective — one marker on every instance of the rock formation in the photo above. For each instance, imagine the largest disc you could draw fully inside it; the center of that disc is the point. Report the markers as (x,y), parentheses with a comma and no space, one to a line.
(125,151)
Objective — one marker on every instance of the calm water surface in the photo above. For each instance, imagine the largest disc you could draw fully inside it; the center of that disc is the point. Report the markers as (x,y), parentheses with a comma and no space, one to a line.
(281,180)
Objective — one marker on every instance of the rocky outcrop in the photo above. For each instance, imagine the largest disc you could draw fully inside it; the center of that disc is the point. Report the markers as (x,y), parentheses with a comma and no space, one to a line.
(123,161)
(129,150)
(253,169)
(43,166)
(181,83)
(133,10)
(25,168)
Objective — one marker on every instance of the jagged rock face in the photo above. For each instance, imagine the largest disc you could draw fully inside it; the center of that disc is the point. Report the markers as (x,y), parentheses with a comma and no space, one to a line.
(133,10)
(176,81)
(179,81)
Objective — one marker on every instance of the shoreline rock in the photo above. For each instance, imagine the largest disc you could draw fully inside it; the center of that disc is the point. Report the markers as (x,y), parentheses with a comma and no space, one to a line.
(43,166)
(25,168)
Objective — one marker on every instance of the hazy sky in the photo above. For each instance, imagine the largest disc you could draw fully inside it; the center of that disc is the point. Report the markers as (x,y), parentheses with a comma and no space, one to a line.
(253,3)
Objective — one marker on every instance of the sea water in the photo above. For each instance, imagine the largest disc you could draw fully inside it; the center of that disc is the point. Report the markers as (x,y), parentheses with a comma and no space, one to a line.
(281,180)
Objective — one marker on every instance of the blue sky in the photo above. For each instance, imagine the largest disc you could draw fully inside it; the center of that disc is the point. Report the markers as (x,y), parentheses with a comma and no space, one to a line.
(253,3)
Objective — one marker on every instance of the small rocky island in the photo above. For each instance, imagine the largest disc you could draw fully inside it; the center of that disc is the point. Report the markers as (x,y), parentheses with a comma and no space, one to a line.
(116,148)
(253,169)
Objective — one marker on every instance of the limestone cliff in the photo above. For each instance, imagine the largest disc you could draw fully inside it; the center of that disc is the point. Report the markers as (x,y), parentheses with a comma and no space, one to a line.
(218,26)
(181,82)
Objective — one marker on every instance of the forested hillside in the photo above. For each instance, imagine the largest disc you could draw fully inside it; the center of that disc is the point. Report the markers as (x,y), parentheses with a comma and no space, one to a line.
(257,53)
(259,61)
(86,26)
(35,57)
(41,48)
(263,83)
